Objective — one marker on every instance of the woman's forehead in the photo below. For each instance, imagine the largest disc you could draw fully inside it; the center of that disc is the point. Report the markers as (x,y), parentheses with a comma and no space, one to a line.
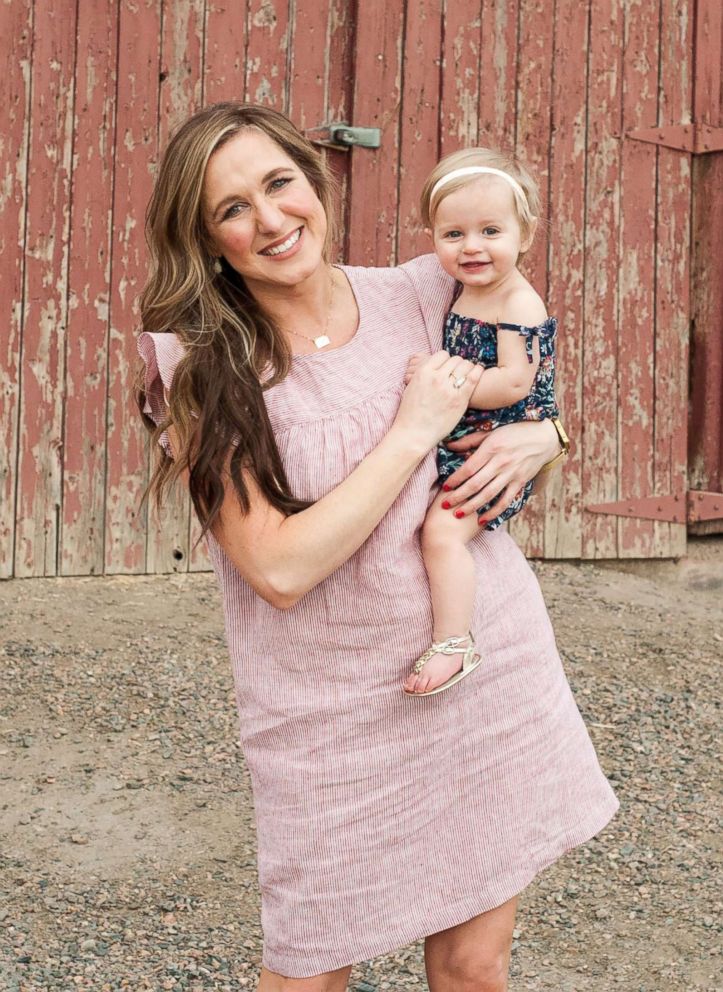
(243,162)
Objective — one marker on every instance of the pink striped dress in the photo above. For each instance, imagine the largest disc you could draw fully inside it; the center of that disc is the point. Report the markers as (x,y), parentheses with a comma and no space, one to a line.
(382,818)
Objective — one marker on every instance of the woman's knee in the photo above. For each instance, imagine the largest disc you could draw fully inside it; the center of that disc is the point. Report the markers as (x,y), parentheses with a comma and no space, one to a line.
(333,981)
(474,971)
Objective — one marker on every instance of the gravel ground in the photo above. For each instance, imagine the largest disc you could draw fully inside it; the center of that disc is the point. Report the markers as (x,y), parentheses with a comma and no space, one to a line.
(126,836)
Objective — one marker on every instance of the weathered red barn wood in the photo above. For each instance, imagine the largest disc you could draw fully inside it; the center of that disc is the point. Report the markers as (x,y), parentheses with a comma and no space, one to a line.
(461,61)
(224,64)
(420,114)
(84,447)
(600,319)
(135,157)
(498,74)
(375,172)
(672,291)
(566,264)
(535,53)
(45,293)
(267,52)
(16,27)
(636,321)
(339,102)
(706,413)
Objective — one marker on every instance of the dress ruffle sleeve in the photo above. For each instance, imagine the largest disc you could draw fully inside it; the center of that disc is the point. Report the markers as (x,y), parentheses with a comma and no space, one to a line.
(547,329)
(161,353)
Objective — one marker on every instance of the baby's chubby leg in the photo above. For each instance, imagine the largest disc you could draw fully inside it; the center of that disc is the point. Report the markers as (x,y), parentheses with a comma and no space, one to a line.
(450,568)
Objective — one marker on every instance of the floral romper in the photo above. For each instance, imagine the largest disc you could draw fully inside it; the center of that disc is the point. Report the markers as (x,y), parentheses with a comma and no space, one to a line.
(476,341)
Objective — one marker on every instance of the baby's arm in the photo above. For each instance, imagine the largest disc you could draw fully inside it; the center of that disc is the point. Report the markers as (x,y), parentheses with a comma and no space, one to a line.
(511,379)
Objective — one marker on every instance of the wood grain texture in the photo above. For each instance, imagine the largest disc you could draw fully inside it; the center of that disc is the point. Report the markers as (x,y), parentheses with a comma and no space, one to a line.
(535,53)
(498,74)
(135,157)
(636,333)
(84,437)
(461,70)
(339,105)
(420,106)
(224,64)
(673,272)
(602,201)
(16,26)
(566,263)
(267,51)
(377,99)
(45,293)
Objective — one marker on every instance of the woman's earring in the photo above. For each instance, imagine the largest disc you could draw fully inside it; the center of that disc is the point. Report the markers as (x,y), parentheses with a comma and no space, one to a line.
(217,267)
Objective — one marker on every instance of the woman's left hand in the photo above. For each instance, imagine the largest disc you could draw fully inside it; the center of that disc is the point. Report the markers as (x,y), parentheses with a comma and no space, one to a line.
(504,461)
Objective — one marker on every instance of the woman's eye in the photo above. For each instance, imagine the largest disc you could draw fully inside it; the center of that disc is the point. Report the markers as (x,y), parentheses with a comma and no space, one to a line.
(234,210)
(280,182)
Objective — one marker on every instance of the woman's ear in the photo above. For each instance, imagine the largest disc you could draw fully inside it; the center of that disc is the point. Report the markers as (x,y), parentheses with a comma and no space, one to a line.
(526,243)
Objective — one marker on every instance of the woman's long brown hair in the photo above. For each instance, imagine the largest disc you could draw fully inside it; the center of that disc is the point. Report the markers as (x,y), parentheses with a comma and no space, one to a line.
(231,345)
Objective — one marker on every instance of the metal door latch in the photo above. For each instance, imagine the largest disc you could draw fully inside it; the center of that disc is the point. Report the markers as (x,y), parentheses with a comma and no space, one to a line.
(344,136)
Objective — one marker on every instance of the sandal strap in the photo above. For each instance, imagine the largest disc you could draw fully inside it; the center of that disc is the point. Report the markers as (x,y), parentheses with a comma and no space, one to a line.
(463,645)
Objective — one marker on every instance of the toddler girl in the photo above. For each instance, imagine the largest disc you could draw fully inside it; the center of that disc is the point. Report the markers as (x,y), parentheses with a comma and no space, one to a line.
(481,211)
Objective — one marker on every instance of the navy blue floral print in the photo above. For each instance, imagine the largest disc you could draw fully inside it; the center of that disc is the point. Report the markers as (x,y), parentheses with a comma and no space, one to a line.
(476,341)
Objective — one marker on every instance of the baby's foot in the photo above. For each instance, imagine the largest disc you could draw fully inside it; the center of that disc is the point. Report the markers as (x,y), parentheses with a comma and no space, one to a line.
(439,667)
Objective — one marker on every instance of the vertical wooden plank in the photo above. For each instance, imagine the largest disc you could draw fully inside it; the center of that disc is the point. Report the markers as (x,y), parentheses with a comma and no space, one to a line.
(308,67)
(268,33)
(224,70)
(636,340)
(532,147)
(135,157)
(498,74)
(420,120)
(706,430)
(16,26)
(82,544)
(377,98)
(600,319)
(672,289)
(563,491)
(461,67)
(45,308)
(181,80)
(339,103)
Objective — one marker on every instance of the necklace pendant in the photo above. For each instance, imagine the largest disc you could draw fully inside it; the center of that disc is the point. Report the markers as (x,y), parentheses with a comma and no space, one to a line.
(322,341)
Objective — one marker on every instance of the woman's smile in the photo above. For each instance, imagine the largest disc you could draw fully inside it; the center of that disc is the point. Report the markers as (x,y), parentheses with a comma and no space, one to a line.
(284,246)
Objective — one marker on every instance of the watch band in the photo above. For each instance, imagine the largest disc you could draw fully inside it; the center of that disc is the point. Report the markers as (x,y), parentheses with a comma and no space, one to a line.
(564,445)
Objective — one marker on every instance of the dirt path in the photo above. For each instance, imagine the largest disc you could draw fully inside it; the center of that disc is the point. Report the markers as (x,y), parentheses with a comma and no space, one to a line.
(126,838)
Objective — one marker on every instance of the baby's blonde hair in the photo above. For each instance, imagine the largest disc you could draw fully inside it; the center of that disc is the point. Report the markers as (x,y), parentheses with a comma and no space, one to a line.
(527,213)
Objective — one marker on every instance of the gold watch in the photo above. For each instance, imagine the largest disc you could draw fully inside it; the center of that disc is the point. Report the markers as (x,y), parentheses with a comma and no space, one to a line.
(564,445)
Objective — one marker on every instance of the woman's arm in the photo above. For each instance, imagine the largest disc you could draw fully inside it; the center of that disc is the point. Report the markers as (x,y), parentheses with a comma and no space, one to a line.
(504,460)
(282,558)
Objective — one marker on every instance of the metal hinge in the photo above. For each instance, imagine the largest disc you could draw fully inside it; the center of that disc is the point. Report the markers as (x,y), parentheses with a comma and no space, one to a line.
(690,507)
(344,136)
(698,139)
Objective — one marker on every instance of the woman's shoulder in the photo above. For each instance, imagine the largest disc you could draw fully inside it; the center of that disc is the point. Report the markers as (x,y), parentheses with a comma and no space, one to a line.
(161,353)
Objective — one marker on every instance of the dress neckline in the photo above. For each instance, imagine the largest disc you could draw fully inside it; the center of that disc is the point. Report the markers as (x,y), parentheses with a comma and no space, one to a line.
(322,354)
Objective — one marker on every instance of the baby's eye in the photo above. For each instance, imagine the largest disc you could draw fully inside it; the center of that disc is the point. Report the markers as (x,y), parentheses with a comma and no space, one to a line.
(489,231)
(453,234)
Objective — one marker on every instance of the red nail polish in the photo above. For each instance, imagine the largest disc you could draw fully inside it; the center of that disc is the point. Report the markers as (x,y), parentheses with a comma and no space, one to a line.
(446,488)
(459,514)
(446,505)
(481,521)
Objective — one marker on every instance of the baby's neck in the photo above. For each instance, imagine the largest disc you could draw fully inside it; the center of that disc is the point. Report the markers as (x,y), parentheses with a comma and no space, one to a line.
(487,302)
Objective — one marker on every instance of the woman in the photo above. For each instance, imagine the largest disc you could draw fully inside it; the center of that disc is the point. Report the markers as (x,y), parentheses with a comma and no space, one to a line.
(275,381)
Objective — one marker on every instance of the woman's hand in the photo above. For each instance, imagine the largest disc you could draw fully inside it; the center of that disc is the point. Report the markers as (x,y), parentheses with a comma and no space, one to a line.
(504,460)
(432,404)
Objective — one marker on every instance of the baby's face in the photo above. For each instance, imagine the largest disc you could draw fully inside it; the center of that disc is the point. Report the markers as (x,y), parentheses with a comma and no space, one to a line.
(477,235)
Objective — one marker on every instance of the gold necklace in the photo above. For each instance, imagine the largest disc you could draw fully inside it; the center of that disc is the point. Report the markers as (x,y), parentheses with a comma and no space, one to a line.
(321,340)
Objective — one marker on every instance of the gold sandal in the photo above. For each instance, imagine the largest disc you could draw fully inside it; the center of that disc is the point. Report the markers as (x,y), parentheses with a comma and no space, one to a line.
(453,645)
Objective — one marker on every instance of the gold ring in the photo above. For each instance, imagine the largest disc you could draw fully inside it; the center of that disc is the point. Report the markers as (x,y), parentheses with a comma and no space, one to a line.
(459,381)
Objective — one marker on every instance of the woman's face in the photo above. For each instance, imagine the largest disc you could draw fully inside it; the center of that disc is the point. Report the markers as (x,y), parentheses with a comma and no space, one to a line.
(262,213)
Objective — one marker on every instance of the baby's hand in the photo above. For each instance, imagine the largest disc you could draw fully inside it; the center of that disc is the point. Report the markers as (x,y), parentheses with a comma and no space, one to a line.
(414,363)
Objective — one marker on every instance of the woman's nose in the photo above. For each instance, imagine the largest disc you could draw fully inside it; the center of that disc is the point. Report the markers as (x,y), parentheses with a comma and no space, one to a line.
(269,218)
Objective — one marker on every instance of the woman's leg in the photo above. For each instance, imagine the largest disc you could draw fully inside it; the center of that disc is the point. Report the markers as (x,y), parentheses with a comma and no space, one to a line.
(474,956)
(331,981)
(450,568)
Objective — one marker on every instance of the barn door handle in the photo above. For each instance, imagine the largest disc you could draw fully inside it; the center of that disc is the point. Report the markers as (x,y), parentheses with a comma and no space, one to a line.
(344,136)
